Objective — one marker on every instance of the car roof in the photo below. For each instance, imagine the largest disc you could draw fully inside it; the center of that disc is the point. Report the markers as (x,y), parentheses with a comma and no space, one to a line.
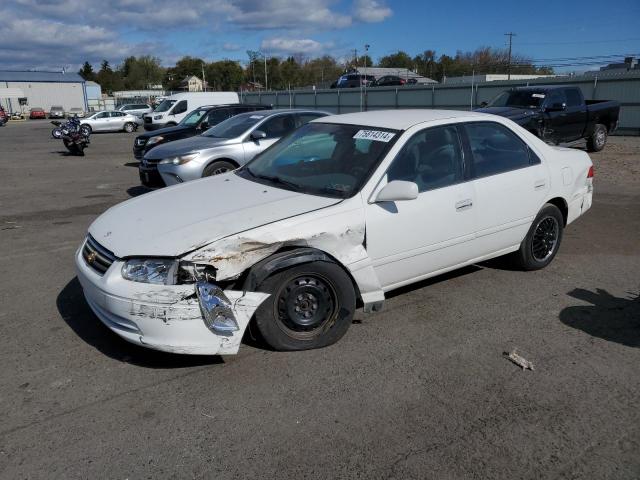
(537,88)
(399,119)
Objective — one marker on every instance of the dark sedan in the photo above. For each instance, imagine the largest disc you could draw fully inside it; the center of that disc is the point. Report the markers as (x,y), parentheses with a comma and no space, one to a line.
(193,124)
(390,81)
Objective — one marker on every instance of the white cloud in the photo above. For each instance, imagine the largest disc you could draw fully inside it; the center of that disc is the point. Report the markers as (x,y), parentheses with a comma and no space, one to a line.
(370,11)
(285,46)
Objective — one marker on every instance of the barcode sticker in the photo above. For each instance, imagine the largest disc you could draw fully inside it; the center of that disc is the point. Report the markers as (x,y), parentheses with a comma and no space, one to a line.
(538,95)
(376,135)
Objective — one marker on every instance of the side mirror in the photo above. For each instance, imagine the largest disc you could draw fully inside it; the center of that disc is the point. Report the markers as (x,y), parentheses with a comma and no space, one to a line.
(204,126)
(257,135)
(398,190)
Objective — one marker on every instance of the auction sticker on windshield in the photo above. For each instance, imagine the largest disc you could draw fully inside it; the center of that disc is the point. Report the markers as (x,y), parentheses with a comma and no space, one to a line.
(377,135)
(538,95)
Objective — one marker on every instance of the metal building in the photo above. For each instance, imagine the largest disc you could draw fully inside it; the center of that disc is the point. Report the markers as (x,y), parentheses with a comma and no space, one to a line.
(41,89)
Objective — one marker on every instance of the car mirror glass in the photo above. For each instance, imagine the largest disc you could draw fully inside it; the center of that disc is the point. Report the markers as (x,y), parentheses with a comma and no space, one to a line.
(398,190)
(257,135)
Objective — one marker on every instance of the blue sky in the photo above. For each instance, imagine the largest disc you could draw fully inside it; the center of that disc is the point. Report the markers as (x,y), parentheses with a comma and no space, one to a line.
(42,34)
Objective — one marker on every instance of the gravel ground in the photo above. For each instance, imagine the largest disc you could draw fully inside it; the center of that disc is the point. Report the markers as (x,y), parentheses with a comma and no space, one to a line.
(419,390)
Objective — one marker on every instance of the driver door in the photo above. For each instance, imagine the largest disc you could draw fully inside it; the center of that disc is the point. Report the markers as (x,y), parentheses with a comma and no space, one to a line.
(413,239)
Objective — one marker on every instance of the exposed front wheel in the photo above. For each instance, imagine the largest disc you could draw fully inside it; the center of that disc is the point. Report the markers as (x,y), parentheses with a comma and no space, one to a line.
(311,306)
(543,239)
(129,127)
(598,138)
(56,133)
(218,167)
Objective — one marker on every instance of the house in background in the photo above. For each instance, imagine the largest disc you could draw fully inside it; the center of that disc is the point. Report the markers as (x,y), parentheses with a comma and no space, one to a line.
(193,84)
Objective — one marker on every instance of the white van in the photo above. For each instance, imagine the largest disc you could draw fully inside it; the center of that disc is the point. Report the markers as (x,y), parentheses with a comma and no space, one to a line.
(174,108)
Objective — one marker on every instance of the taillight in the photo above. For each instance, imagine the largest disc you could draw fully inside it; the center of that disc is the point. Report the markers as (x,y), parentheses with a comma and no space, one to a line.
(590,174)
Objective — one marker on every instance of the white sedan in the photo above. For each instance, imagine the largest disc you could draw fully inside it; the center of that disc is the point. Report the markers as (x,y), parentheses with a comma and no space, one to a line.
(112,121)
(336,214)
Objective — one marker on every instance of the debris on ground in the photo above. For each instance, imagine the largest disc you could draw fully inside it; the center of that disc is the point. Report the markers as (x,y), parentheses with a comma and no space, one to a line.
(518,360)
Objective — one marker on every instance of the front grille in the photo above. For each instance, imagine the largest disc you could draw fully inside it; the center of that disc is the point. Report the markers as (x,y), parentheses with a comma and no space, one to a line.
(96,256)
(147,120)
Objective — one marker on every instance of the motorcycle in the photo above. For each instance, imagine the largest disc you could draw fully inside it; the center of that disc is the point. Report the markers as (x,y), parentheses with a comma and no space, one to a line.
(74,136)
(72,123)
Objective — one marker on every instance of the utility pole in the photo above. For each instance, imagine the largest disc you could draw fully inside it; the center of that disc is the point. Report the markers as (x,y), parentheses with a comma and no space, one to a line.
(510,35)
(204,81)
(355,58)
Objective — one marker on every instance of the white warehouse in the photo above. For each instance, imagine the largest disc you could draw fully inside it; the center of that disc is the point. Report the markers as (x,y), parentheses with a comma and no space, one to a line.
(41,89)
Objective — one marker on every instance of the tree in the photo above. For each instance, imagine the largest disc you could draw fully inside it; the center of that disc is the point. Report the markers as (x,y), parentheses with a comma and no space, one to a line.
(108,79)
(183,68)
(140,73)
(399,59)
(224,75)
(86,71)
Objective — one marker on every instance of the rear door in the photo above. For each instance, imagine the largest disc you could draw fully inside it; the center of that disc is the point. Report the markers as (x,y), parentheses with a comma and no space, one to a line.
(116,120)
(510,184)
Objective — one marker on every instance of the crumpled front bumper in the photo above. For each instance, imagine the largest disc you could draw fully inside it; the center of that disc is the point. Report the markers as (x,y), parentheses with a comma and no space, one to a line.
(162,317)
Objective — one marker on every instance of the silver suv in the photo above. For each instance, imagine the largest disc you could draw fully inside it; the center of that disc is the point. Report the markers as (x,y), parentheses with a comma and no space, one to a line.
(225,147)
(137,109)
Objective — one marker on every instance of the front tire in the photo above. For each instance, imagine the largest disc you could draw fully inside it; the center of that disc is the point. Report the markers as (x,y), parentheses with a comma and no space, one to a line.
(598,138)
(86,129)
(311,306)
(218,167)
(543,239)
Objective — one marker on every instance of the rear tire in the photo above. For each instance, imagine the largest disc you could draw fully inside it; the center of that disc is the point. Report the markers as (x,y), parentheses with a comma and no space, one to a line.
(129,127)
(543,239)
(598,138)
(310,306)
(218,167)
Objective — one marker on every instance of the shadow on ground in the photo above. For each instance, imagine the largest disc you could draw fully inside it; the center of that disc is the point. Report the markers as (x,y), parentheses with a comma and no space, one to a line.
(608,317)
(74,310)
(138,190)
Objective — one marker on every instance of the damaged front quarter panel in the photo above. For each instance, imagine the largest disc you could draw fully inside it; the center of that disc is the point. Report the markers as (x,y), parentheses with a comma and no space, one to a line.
(339,234)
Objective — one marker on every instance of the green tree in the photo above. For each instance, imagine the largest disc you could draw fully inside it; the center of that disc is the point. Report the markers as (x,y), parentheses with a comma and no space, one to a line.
(86,71)
(399,59)
(224,75)
(140,73)
(183,68)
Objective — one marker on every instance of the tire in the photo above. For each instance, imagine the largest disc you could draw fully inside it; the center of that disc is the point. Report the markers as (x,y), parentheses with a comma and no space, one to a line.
(310,306)
(218,167)
(56,133)
(86,128)
(543,239)
(598,138)
(129,127)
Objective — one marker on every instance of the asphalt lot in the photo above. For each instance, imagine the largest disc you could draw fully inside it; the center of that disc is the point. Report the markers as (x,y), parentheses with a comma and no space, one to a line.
(419,390)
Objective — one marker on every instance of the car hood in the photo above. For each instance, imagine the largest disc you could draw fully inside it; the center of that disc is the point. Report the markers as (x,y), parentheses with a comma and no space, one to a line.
(518,115)
(185,145)
(177,220)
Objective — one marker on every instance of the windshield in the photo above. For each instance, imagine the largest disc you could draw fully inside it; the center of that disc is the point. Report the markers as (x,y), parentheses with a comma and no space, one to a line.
(164,106)
(518,99)
(322,159)
(193,118)
(234,126)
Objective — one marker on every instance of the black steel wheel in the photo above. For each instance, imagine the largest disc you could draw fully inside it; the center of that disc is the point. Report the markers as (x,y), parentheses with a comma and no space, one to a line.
(543,239)
(310,306)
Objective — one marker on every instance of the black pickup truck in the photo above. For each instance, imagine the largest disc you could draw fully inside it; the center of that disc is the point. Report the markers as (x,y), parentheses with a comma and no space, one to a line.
(558,114)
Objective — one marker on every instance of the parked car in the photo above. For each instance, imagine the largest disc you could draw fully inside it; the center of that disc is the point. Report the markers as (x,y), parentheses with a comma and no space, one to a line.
(558,114)
(56,112)
(352,80)
(4,118)
(111,121)
(173,109)
(335,215)
(389,81)
(195,123)
(76,112)
(137,109)
(37,113)
(225,147)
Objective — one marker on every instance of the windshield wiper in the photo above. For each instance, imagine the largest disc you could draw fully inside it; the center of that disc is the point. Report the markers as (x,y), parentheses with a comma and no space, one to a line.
(275,179)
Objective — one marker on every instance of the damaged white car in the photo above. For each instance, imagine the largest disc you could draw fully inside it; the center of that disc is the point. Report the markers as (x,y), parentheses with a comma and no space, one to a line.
(334,215)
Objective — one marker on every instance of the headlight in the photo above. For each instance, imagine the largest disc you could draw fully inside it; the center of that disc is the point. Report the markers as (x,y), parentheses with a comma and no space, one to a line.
(157,117)
(179,160)
(154,140)
(159,271)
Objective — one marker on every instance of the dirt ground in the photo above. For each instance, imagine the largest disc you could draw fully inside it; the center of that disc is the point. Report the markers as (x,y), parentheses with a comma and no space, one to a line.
(419,390)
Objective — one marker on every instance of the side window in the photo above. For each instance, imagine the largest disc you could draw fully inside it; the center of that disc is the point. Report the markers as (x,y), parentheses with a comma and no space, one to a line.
(278,126)
(495,149)
(180,107)
(431,158)
(574,99)
(556,97)
(103,115)
(304,118)
(118,114)
(217,116)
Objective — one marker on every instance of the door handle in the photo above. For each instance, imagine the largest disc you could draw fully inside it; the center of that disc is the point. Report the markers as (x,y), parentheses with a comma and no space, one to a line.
(539,184)
(464,205)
